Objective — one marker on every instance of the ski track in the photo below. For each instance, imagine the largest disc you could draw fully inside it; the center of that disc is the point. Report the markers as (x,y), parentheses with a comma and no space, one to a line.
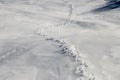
(70,5)
(68,49)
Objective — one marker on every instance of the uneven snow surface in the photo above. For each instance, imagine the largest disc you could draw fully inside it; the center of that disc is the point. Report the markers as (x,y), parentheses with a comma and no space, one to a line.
(33,58)
(59,40)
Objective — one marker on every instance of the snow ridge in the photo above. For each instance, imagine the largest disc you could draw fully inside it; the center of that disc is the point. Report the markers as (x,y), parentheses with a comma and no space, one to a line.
(67,49)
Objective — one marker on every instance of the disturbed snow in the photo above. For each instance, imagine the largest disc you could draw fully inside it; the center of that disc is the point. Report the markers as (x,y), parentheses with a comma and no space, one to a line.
(58,40)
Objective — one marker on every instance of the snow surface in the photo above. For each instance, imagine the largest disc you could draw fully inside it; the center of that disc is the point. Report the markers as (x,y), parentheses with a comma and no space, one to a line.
(58,40)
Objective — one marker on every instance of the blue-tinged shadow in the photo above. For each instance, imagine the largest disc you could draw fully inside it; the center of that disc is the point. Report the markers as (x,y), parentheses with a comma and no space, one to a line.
(113,4)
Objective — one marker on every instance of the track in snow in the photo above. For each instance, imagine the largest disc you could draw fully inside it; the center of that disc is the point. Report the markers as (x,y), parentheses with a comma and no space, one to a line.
(37,60)
(67,24)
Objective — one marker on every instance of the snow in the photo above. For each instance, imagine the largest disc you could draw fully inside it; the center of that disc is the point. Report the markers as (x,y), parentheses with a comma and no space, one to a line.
(33,58)
(58,40)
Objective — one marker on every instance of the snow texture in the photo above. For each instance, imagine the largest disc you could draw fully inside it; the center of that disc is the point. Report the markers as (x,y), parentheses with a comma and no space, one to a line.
(59,40)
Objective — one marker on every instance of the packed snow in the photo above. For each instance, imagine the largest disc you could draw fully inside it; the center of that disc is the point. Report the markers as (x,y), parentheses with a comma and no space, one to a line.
(59,40)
